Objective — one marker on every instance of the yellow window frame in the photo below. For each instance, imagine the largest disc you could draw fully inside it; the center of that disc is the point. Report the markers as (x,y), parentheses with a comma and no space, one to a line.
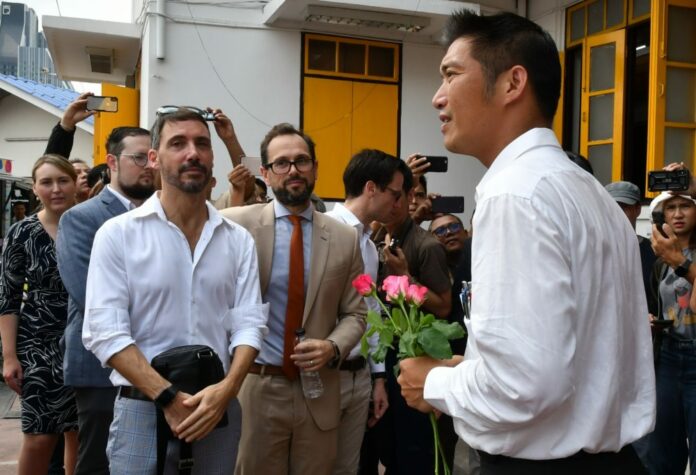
(584,5)
(657,89)
(367,43)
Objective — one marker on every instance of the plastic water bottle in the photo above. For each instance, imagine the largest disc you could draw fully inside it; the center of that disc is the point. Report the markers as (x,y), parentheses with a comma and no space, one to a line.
(311,381)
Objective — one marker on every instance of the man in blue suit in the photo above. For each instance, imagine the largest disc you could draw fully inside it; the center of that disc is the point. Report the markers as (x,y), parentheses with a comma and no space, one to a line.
(132,182)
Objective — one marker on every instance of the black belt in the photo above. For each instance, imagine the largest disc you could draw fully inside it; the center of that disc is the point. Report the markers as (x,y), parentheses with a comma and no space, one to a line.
(131,392)
(356,364)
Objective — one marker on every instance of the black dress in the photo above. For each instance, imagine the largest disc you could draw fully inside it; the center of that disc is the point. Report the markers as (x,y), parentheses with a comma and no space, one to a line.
(29,257)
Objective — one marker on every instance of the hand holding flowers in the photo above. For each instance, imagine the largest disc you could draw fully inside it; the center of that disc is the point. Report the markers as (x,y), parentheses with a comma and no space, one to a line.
(418,333)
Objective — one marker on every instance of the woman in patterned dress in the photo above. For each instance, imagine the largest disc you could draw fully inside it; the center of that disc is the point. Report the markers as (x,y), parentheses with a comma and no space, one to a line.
(32,326)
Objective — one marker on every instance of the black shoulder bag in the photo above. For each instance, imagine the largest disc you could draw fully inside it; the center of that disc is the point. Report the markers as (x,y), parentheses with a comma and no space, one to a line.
(190,368)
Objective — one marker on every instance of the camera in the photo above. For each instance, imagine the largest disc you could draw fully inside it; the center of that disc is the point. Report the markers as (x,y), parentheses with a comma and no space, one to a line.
(675,180)
(394,245)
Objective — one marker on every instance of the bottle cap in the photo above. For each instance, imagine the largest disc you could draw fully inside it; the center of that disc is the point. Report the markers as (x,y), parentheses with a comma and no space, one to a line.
(299,332)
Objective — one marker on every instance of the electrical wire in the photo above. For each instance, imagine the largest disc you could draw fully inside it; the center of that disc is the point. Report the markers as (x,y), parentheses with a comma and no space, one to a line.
(58,5)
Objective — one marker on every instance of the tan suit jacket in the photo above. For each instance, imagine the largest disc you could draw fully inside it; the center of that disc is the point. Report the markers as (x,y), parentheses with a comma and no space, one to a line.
(333,309)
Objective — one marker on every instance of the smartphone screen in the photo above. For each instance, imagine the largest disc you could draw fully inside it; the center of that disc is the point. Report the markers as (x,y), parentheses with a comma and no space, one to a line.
(102,103)
(253,164)
(448,204)
(438,164)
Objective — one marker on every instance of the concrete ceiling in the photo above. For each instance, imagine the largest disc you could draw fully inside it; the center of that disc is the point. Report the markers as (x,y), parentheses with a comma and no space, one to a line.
(69,40)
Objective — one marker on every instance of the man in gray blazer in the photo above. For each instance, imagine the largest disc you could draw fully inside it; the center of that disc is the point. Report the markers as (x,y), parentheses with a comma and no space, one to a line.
(132,182)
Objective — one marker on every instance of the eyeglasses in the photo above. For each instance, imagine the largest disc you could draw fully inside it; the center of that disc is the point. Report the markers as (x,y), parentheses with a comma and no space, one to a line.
(282,166)
(139,159)
(451,228)
(396,194)
(164,110)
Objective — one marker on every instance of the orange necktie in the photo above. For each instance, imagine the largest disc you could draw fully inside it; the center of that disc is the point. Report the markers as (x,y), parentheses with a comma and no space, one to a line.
(295,309)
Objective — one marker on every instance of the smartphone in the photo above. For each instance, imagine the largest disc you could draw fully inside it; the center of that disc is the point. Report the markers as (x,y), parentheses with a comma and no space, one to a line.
(438,164)
(658,219)
(448,204)
(676,180)
(660,324)
(253,164)
(102,103)
(394,245)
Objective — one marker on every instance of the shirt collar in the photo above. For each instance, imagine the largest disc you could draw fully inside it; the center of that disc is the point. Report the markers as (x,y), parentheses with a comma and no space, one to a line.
(347,215)
(153,206)
(281,211)
(531,139)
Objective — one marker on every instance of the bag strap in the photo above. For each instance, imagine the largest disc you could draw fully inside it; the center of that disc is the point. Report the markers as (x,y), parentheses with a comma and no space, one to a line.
(164,435)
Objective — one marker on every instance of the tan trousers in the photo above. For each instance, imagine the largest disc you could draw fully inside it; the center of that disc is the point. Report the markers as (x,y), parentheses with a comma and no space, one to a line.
(279,436)
(356,388)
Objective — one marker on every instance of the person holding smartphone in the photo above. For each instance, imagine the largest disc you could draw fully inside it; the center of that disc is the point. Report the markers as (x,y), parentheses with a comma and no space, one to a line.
(675,428)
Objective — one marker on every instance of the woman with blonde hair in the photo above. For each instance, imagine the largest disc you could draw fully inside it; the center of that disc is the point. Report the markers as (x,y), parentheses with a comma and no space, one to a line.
(32,325)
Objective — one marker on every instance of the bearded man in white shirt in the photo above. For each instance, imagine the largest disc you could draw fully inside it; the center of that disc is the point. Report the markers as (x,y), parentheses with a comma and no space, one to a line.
(558,374)
(155,282)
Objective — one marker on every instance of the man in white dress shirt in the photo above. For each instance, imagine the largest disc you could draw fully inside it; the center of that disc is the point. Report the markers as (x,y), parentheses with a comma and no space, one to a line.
(373,181)
(558,374)
(156,282)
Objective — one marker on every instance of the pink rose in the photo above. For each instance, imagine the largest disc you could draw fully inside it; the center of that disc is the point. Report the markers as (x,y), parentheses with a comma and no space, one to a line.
(396,287)
(363,284)
(416,294)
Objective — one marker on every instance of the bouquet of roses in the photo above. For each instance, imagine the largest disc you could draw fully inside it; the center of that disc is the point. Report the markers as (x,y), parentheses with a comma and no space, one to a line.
(419,333)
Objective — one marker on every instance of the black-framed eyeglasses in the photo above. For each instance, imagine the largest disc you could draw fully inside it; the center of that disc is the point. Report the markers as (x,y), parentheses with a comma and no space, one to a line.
(282,166)
(164,110)
(139,159)
(396,194)
(451,228)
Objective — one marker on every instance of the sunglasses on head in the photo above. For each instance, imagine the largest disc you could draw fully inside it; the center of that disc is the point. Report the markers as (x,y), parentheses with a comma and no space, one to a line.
(452,228)
(164,110)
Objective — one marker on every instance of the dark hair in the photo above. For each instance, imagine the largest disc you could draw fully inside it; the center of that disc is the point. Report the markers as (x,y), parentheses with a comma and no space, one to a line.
(501,41)
(114,142)
(259,182)
(284,129)
(369,165)
(98,173)
(181,115)
(78,160)
(580,161)
(422,181)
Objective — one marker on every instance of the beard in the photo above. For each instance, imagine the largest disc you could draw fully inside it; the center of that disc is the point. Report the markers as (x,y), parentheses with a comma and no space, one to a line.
(288,198)
(137,190)
(191,186)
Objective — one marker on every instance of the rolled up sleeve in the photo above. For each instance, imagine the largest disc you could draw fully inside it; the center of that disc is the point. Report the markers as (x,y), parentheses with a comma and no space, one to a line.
(248,318)
(106,329)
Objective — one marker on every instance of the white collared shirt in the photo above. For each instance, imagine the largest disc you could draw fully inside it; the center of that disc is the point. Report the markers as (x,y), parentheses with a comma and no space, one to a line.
(145,287)
(559,356)
(370,264)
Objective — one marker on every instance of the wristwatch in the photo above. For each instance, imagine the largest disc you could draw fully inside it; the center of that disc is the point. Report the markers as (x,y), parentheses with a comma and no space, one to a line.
(682,270)
(166,397)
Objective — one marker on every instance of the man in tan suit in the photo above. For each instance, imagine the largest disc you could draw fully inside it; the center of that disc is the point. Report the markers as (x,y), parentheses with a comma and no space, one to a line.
(282,430)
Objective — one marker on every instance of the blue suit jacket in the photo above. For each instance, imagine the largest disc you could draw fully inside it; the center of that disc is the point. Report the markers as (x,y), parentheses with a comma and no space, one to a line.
(76,232)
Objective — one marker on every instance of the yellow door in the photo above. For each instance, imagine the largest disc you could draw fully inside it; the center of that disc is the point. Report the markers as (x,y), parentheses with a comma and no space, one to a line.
(601,127)
(343,117)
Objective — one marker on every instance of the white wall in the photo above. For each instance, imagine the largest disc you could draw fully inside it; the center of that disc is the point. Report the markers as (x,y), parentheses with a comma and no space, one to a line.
(19,119)
(420,126)
(258,84)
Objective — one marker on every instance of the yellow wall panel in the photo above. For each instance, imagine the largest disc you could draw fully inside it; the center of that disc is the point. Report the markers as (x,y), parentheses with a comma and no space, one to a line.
(375,117)
(327,119)
(105,122)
